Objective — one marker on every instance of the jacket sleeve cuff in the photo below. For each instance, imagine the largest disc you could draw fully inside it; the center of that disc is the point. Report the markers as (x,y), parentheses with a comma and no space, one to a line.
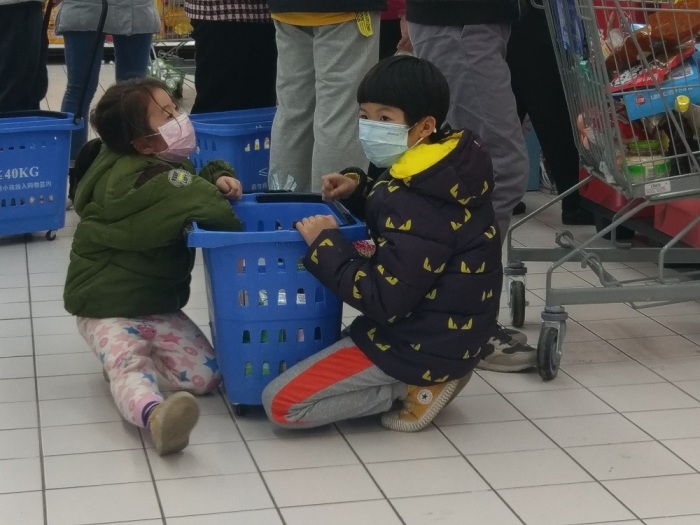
(327,254)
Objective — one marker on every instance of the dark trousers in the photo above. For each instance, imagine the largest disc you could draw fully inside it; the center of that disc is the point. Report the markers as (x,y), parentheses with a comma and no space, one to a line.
(23,49)
(539,93)
(236,65)
(389,36)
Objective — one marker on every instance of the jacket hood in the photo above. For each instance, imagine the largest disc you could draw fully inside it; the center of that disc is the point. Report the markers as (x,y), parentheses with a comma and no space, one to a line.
(458,167)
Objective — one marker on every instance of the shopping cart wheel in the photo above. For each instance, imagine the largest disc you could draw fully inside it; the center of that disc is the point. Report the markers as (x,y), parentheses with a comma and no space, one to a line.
(51,235)
(240,410)
(548,352)
(517,303)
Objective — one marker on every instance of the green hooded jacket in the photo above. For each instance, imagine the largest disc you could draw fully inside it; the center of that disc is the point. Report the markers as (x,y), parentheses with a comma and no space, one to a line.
(130,256)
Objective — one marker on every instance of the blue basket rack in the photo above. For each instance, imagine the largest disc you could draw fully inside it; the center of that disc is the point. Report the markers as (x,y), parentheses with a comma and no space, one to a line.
(241,138)
(34,161)
(266,311)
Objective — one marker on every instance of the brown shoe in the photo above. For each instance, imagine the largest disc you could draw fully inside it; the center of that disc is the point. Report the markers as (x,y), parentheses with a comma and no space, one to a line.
(172,421)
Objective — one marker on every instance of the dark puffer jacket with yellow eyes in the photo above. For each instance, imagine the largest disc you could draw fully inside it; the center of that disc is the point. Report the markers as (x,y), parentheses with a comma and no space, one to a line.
(429,295)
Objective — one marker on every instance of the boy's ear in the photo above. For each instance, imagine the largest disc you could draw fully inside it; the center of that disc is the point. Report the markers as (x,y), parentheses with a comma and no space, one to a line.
(427,127)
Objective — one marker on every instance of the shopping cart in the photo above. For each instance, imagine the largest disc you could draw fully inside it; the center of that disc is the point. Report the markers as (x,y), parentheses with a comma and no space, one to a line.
(266,311)
(630,72)
(168,61)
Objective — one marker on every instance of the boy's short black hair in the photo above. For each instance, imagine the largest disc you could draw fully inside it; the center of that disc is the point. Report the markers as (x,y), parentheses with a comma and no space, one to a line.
(414,85)
(121,115)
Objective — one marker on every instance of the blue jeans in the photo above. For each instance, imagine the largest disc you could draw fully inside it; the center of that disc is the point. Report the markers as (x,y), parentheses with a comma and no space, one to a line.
(131,56)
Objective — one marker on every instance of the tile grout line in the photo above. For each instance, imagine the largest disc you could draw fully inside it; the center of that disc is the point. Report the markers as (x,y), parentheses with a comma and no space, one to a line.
(366,469)
(593,477)
(153,477)
(229,410)
(36,393)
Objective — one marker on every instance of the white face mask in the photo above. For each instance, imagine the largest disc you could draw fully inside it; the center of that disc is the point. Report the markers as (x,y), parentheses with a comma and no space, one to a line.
(179,136)
(384,143)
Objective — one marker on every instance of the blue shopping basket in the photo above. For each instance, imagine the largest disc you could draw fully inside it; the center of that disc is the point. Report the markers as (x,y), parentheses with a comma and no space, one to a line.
(241,138)
(35,158)
(34,161)
(266,311)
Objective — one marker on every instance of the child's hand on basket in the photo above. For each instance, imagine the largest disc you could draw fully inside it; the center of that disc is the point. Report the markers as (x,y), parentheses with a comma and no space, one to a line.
(337,186)
(230,187)
(311,227)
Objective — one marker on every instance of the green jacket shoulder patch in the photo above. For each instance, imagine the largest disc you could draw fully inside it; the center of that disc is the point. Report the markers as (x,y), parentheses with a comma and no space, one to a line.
(179,178)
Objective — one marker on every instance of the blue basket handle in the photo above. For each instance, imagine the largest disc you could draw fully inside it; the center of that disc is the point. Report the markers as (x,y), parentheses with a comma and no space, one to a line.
(33,113)
(286,196)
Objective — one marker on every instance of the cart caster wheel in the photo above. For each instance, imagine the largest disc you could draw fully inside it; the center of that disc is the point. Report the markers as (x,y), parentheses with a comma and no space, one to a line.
(548,353)
(51,235)
(517,303)
(240,410)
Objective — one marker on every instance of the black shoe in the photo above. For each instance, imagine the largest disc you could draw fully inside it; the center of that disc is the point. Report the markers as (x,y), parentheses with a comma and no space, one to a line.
(579,217)
(520,208)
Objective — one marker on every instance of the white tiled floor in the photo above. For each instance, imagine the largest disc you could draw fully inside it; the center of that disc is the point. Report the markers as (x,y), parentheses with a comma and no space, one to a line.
(614,439)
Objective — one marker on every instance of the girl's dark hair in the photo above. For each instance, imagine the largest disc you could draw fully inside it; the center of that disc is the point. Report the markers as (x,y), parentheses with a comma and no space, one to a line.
(121,115)
(413,85)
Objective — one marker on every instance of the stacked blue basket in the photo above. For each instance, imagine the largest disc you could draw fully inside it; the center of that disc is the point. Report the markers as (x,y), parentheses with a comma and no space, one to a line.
(34,160)
(241,138)
(266,311)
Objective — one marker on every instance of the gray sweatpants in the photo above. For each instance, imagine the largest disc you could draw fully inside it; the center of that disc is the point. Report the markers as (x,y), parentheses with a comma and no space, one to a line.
(335,384)
(473,59)
(315,130)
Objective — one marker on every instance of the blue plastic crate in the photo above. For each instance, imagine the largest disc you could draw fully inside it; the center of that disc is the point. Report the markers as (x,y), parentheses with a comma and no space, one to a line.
(266,311)
(34,161)
(241,138)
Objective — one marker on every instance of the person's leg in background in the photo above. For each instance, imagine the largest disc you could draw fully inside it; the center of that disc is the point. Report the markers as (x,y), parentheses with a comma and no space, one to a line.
(23,50)
(132,54)
(389,37)
(261,64)
(342,56)
(472,58)
(235,65)
(540,94)
(78,49)
(292,138)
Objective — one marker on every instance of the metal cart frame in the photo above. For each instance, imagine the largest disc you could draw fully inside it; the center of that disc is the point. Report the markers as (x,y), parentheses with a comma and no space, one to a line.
(588,93)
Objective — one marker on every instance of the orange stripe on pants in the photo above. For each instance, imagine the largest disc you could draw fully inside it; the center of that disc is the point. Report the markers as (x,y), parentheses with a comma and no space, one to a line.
(340,365)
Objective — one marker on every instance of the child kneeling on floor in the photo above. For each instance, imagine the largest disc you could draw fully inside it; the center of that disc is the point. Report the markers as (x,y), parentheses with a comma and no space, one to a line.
(130,267)
(429,295)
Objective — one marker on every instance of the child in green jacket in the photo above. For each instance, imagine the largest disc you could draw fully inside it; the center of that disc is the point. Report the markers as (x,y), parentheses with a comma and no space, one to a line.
(130,267)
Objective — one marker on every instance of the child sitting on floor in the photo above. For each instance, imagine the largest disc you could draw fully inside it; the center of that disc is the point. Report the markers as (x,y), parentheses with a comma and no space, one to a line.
(130,267)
